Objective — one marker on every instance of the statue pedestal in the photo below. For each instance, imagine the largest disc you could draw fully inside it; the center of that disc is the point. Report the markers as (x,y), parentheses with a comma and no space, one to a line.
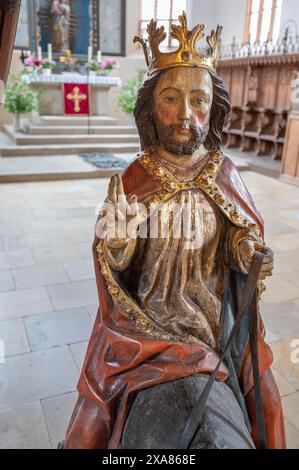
(51,96)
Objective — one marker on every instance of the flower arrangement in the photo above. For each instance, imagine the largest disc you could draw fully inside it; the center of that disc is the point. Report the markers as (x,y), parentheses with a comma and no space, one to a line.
(108,64)
(105,67)
(49,64)
(93,66)
(19,99)
(32,61)
(32,64)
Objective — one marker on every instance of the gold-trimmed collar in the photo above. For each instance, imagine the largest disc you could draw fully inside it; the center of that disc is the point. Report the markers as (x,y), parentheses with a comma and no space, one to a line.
(206,181)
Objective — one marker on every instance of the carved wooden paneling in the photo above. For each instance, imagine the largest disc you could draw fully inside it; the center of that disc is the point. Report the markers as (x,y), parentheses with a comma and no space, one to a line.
(284,89)
(260,94)
(268,86)
(261,80)
(237,86)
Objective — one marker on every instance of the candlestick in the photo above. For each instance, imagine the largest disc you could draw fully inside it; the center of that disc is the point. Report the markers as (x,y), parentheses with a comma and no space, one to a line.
(89,54)
(39,53)
(50,52)
(99,57)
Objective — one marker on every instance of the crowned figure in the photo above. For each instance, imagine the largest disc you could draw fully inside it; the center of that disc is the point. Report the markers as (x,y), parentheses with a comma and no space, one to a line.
(60,14)
(173,248)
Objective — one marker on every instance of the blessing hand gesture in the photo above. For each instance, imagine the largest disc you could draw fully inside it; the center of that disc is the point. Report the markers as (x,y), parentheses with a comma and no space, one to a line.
(124,218)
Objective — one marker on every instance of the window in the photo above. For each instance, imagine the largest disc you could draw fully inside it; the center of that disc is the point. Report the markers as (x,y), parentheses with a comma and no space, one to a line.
(262,20)
(165,12)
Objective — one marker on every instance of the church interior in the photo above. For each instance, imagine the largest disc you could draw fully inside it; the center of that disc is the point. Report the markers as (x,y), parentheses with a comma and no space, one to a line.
(67,126)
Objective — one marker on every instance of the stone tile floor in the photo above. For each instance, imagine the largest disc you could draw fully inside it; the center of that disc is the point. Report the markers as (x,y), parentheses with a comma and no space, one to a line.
(48,301)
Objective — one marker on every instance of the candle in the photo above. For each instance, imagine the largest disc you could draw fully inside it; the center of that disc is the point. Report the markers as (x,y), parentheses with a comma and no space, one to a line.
(99,57)
(39,53)
(89,54)
(50,52)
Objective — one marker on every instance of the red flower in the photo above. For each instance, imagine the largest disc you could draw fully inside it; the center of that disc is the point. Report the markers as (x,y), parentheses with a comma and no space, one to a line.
(38,63)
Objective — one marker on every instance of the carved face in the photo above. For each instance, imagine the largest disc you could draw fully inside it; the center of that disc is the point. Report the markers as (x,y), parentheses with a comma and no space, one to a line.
(182,103)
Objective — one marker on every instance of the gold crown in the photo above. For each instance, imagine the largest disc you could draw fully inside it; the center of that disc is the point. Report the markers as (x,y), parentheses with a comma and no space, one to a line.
(187,55)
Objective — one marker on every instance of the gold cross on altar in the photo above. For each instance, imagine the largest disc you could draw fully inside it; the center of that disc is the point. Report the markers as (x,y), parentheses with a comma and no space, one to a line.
(69,60)
(77,97)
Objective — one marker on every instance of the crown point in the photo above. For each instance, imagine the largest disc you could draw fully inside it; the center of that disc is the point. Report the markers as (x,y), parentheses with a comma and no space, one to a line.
(187,52)
(186,56)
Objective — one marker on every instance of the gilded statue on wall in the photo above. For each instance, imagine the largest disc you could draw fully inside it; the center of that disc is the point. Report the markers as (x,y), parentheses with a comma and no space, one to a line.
(57,22)
(60,13)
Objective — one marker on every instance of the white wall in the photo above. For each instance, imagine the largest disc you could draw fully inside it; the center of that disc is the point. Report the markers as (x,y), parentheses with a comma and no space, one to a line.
(228,13)
(203,12)
(231,14)
(290,11)
(132,24)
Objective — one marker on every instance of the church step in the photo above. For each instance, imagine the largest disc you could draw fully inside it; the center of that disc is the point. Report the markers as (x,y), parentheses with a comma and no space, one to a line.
(53,168)
(82,130)
(19,138)
(69,149)
(77,120)
(77,139)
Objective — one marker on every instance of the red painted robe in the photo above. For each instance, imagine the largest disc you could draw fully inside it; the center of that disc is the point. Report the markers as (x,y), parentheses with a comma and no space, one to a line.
(121,359)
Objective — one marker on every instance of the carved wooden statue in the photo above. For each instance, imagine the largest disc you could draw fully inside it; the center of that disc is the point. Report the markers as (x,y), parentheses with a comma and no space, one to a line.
(60,12)
(169,293)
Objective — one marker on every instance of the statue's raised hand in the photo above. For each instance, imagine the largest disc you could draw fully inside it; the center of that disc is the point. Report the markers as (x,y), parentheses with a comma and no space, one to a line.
(123,216)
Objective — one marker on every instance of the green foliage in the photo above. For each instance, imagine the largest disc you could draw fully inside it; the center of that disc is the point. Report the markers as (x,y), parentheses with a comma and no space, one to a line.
(93,66)
(19,97)
(128,95)
(49,64)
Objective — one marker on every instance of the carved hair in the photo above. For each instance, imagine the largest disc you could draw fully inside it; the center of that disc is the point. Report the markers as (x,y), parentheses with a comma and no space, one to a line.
(144,112)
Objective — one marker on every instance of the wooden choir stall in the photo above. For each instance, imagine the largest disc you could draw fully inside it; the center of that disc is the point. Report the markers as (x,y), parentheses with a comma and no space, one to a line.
(260,87)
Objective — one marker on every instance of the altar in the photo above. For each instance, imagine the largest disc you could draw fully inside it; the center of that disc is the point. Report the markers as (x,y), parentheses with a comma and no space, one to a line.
(50,88)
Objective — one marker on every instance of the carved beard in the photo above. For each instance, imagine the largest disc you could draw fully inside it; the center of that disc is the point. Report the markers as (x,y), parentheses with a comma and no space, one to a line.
(165,135)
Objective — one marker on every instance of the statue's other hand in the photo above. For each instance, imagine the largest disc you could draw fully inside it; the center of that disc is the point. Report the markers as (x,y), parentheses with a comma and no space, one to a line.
(247,248)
